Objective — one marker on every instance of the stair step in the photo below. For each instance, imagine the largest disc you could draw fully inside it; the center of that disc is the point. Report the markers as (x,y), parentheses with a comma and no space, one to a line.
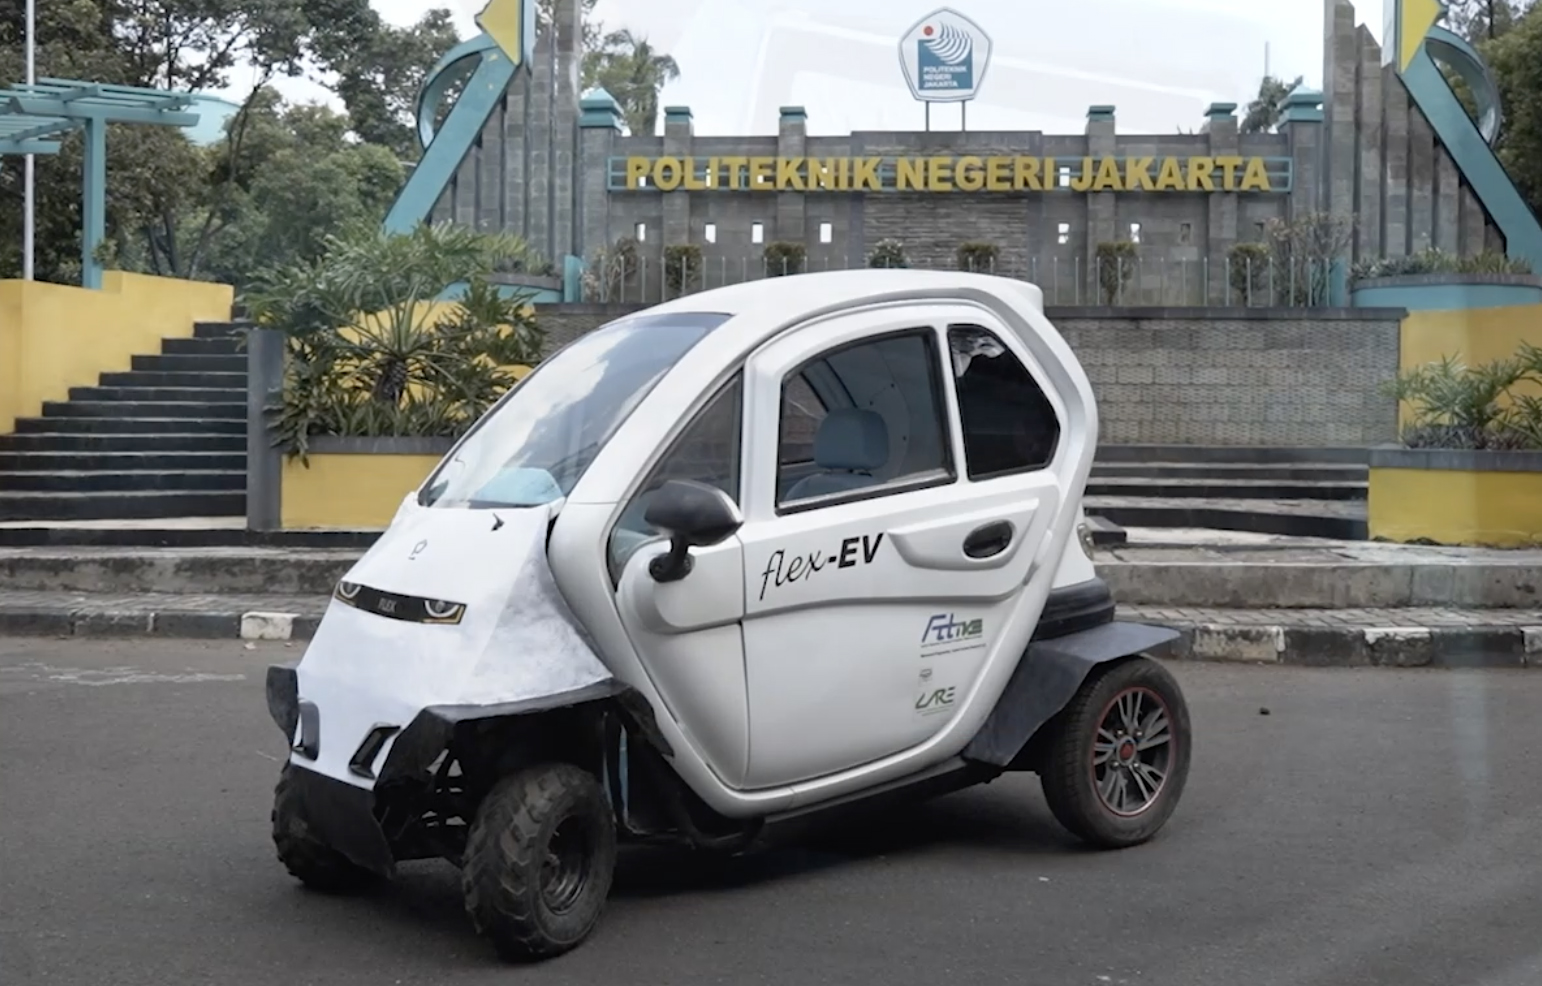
(141,461)
(1304,473)
(167,395)
(144,409)
(228,382)
(1222,488)
(136,480)
(120,505)
(188,363)
(130,426)
(218,346)
(217,330)
(1237,454)
(168,442)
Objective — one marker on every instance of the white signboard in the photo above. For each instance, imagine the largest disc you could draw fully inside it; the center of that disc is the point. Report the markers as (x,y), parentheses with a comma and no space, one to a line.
(944,57)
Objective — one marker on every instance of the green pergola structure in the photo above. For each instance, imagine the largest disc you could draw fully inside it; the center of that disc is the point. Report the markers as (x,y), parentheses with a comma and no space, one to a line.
(34,118)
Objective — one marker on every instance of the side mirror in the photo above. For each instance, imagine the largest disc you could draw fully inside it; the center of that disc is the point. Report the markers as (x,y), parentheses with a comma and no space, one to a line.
(694,515)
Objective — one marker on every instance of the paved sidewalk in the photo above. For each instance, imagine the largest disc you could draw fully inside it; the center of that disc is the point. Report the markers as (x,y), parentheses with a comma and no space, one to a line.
(1419,637)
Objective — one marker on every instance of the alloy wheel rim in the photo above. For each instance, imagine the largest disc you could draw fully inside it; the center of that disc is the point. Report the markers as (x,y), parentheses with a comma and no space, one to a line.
(1132,752)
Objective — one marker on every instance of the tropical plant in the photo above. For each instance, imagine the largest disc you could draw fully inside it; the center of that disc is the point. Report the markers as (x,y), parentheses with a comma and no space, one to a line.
(1433,261)
(887,253)
(1248,267)
(628,67)
(1456,406)
(682,266)
(606,275)
(977,257)
(1116,264)
(783,258)
(373,349)
(1263,112)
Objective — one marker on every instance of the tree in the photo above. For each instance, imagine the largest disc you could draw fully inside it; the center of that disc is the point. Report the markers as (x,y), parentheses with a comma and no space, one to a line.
(628,68)
(1263,113)
(1483,20)
(1516,60)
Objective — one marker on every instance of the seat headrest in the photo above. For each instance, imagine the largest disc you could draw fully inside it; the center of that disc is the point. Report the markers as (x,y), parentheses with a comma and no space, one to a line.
(852,438)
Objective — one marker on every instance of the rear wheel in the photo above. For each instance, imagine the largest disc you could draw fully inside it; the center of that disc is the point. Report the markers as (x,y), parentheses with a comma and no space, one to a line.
(1119,756)
(313,862)
(539,861)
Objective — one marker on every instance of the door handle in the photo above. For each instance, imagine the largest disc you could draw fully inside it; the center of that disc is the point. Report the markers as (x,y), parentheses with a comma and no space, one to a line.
(989,540)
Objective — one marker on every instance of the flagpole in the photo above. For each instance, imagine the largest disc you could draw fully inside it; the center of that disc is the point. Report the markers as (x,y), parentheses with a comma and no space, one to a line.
(29,210)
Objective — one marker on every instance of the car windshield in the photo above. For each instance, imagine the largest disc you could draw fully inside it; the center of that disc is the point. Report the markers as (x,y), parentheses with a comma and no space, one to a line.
(534,446)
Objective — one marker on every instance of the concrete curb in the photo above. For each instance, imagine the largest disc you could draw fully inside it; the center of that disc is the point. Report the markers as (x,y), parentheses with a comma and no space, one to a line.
(1478,646)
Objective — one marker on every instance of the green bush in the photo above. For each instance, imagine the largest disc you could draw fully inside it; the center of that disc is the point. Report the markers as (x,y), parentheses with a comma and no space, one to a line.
(887,253)
(784,258)
(1116,265)
(682,266)
(1473,407)
(1433,261)
(977,257)
(1248,266)
(366,353)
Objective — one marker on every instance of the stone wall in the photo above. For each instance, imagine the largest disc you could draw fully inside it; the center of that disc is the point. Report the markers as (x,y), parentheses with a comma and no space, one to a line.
(1217,376)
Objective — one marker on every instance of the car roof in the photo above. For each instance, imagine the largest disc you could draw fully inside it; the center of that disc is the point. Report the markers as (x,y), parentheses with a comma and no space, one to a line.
(773,303)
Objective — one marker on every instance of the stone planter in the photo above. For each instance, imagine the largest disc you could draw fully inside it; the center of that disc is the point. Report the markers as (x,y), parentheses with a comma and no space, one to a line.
(1451,496)
(1447,292)
(354,483)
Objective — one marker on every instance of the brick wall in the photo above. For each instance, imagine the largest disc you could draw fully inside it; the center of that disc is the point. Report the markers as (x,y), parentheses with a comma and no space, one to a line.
(1195,376)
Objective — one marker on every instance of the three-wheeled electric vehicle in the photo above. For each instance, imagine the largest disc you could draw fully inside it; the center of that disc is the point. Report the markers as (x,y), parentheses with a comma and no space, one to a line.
(723,565)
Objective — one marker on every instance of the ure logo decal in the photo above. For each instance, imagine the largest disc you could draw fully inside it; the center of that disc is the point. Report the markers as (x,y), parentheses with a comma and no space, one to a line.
(936,700)
(853,551)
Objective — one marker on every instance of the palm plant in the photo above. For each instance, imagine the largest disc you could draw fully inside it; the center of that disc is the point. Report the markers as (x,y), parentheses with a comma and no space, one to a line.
(629,68)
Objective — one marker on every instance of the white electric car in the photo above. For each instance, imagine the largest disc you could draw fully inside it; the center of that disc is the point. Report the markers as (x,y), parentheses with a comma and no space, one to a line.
(727,564)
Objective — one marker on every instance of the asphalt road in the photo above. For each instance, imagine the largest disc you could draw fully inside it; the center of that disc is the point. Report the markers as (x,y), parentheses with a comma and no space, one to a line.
(1375,827)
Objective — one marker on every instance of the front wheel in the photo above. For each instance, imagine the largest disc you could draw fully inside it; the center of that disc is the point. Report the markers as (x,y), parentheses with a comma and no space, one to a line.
(315,864)
(539,861)
(1119,757)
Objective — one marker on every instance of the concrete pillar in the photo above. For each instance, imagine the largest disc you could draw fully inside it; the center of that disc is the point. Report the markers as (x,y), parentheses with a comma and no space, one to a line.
(1473,219)
(679,134)
(791,209)
(1421,182)
(1394,215)
(1368,137)
(1221,207)
(1447,203)
(599,124)
(264,463)
(1301,121)
(1101,212)
(568,48)
(1341,56)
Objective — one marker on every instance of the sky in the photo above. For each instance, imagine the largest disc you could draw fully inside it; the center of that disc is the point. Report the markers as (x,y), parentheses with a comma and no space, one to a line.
(1159,62)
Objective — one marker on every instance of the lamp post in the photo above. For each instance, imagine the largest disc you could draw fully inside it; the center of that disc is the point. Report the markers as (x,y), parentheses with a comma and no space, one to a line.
(29,210)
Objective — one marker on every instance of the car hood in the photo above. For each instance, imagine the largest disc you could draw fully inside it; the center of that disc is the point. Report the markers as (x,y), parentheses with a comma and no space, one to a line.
(384,656)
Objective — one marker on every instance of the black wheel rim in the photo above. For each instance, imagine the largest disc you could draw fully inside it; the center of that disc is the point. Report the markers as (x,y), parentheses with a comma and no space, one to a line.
(565,870)
(1132,752)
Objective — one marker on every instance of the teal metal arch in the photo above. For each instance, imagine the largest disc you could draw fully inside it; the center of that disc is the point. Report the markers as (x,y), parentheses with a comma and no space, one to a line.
(1471,145)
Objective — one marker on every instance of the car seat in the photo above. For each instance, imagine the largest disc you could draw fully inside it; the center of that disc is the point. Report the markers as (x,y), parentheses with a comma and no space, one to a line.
(850,444)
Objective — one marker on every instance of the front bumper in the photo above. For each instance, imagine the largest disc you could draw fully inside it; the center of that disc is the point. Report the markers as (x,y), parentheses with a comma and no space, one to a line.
(339,816)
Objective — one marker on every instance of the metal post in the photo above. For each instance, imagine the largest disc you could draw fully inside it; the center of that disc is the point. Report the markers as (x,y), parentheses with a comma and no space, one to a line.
(29,208)
(963,115)
(928,105)
(264,463)
(93,212)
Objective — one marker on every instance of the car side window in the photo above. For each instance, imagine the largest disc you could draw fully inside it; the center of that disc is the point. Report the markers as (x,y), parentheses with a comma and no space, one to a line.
(1009,424)
(706,451)
(861,420)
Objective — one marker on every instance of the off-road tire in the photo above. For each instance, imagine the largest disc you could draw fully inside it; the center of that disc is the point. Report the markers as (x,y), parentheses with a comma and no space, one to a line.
(1067,773)
(508,847)
(315,864)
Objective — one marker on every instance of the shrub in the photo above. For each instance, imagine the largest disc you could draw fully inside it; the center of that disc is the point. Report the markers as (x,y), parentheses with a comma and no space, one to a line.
(1304,251)
(977,257)
(682,266)
(887,253)
(1248,266)
(783,258)
(608,271)
(1433,261)
(370,353)
(1460,407)
(1116,263)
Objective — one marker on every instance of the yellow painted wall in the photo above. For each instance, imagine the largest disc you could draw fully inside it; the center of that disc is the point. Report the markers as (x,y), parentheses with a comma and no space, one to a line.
(349,491)
(54,336)
(1474,336)
(1498,509)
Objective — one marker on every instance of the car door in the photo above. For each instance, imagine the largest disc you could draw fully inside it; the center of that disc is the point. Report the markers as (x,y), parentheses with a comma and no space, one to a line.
(879,566)
(688,632)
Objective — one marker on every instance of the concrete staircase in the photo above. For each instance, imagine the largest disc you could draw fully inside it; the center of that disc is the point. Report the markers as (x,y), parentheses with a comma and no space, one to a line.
(165,439)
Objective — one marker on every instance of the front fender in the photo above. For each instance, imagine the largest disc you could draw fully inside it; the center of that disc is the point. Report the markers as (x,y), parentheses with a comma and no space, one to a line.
(1048,677)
